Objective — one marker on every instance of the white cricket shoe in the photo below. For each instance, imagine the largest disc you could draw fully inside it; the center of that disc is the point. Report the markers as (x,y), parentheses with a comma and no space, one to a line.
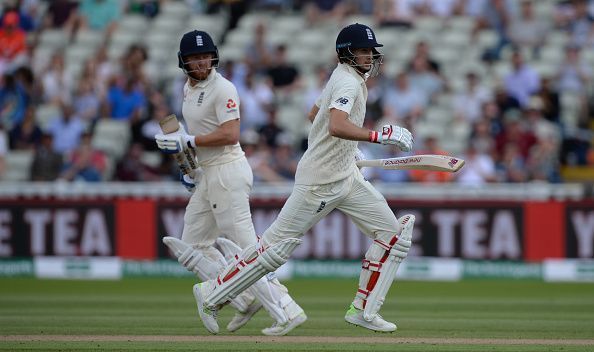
(241,318)
(207,315)
(355,316)
(282,329)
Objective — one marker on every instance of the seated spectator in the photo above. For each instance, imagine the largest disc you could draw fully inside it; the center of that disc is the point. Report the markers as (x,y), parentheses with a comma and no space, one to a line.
(125,100)
(258,155)
(60,14)
(425,176)
(580,24)
(271,130)
(516,132)
(150,127)
(543,161)
(479,167)
(86,102)
(526,30)
(522,81)
(57,82)
(574,75)
(13,101)
(257,98)
(496,15)
(27,134)
(99,15)
(85,163)
(511,166)
(47,163)
(13,43)
(422,53)
(132,168)
(439,8)
(550,99)
(395,13)
(148,8)
(403,102)
(468,103)
(259,54)
(424,80)
(25,14)
(318,12)
(284,75)
(284,159)
(66,129)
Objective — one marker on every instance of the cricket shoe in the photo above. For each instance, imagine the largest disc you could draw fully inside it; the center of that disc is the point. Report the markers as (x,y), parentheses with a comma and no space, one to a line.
(355,317)
(207,315)
(282,329)
(241,318)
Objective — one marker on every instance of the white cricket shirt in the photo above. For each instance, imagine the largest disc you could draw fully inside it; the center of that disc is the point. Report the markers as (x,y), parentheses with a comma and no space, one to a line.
(330,159)
(206,106)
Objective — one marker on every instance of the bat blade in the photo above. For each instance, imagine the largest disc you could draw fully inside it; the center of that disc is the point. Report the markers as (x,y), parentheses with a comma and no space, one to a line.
(429,162)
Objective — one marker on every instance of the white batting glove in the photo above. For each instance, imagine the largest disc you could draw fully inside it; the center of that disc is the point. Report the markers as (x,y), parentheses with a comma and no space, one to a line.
(359,155)
(173,143)
(393,135)
(188,182)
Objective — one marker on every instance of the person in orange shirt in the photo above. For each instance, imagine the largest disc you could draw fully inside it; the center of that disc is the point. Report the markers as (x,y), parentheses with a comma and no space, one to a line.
(13,41)
(425,176)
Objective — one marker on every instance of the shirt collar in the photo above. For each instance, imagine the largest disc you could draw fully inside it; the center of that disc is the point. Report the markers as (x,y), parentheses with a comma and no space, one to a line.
(352,71)
(201,84)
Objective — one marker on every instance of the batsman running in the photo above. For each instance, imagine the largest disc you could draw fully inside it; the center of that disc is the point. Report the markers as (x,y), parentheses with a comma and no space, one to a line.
(327,178)
(220,201)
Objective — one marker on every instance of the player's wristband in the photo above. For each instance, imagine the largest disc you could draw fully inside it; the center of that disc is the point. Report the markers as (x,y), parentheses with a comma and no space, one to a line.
(374,136)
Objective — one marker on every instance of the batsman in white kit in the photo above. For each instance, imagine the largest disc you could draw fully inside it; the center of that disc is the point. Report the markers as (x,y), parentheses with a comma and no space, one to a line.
(327,178)
(219,204)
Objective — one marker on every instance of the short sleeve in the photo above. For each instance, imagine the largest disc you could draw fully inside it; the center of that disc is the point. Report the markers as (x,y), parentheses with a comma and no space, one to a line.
(227,105)
(344,95)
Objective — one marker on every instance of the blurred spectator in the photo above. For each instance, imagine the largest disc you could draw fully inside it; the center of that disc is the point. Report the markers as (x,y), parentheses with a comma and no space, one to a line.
(523,81)
(86,103)
(496,15)
(132,65)
(512,165)
(375,98)
(260,53)
(57,82)
(526,30)
(313,91)
(425,176)
(150,127)
(104,70)
(283,74)
(318,12)
(257,98)
(258,155)
(397,13)
(13,101)
(481,137)
(3,150)
(542,128)
(515,132)
(403,102)
(66,129)
(60,14)
(574,75)
(270,130)
(422,53)
(284,159)
(125,101)
(47,163)
(26,135)
(132,168)
(479,167)
(100,15)
(468,103)
(543,161)
(438,8)
(13,43)
(580,24)
(148,8)
(550,99)
(25,21)
(505,101)
(423,79)
(84,163)
(26,81)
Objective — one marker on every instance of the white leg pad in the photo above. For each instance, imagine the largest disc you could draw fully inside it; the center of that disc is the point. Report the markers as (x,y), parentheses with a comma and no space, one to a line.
(206,263)
(253,263)
(380,266)
(273,295)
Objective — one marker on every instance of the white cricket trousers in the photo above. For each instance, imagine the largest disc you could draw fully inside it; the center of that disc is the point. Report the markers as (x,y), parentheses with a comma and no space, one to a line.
(220,206)
(354,196)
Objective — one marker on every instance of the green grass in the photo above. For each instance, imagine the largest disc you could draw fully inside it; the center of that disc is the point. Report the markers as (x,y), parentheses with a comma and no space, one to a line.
(468,309)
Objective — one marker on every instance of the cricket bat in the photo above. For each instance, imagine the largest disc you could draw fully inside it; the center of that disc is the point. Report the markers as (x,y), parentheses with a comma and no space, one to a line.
(430,162)
(185,159)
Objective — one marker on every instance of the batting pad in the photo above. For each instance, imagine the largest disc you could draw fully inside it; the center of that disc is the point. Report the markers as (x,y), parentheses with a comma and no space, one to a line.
(380,266)
(252,264)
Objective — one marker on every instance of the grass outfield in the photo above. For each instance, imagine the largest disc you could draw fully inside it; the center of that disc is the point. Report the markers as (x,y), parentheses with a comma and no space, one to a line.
(159,315)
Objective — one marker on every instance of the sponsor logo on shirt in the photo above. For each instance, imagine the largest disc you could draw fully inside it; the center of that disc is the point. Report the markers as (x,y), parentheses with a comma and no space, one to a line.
(200,99)
(342,101)
(231,104)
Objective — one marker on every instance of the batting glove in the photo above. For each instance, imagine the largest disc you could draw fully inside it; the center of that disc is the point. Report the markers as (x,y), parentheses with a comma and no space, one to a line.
(173,143)
(393,135)
(188,182)
(359,155)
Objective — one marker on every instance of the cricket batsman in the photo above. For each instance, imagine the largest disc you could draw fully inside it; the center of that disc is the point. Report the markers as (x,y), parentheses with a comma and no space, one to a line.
(327,178)
(220,201)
